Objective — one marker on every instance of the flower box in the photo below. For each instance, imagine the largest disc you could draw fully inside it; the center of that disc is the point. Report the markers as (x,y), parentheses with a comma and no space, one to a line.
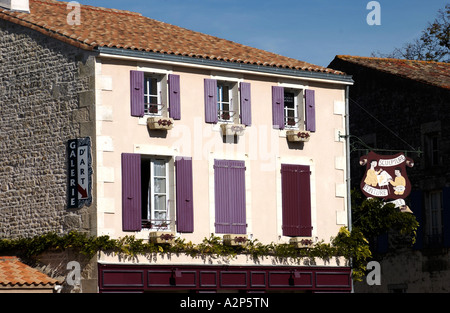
(232,129)
(235,240)
(162,237)
(161,123)
(301,242)
(298,135)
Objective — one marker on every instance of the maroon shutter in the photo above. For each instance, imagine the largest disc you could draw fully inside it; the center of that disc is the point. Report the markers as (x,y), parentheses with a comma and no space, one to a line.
(278,107)
(174,97)
(210,101)
(131,192)
(310,103)
(246,112)
(185,206)
(137,93)
(229,178)
(296,200)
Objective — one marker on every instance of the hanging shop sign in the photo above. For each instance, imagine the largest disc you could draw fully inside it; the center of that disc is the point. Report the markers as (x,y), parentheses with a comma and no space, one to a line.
(386,177)
(79,173)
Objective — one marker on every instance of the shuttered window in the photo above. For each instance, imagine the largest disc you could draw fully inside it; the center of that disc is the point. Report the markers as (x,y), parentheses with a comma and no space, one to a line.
(310,110)
(296,200)
(174,97)
(229,188)
(210,90)
(245,109)
(131,192)
(278,107)
(137,93)
(185,201)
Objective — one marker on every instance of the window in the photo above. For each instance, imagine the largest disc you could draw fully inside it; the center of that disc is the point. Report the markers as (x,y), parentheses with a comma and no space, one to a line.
(152,95)
(225,110)
(433,211)
(155,193)
(293,109)
(149,185)
(432,155)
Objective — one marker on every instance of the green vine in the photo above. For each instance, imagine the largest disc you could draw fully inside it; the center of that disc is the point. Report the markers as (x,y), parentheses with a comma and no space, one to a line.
(347,244)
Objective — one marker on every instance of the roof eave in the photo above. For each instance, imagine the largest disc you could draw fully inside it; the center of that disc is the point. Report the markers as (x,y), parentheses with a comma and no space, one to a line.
(334,78)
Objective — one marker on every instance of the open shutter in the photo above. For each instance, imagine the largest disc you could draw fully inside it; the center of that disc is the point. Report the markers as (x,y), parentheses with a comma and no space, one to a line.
(416,198)
(446,215)
(185,206)
(296,200)
(229,178)
(174,97)
(278,107)
(137,93)
(246,112)
(131,192)
(211,101)
(310,116)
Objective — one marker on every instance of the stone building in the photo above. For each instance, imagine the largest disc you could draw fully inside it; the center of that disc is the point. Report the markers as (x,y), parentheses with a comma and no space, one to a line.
(116,124)
(403,105)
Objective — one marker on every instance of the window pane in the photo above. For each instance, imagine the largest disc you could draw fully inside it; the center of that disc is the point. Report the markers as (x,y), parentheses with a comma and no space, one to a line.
(289,100)
(160,185)
(159,168)
(160,203)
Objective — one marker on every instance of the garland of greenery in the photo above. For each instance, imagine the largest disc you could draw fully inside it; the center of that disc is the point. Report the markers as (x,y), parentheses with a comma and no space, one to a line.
(351,245)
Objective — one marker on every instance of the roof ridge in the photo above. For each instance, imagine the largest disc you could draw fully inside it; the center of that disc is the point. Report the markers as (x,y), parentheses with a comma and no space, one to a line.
(344,56)
(89,7)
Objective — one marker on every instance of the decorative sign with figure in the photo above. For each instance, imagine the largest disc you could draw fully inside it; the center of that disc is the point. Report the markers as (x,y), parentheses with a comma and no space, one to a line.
(79,173)
(386,177)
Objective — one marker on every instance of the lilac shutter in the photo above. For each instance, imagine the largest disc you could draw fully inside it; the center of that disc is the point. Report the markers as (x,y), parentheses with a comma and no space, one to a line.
(174,97)
(246,112)
(131,192)
(185,206)
(137,93)
(210,101)
(278,107)
(296,200)
(310,116)
(229,187)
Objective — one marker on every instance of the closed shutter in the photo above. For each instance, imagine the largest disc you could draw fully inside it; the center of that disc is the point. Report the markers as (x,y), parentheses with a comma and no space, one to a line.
(278,107)
(137,93)
(310,111)
(174,97)
(185,205)
(296,200)
(211,101)
(131,192)
(229,188)
(416,198)
(246,112)
(446,215)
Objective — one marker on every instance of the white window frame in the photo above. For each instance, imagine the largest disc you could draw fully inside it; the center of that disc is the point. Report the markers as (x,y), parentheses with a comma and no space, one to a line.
(147,95)
(232,109)
(299,109)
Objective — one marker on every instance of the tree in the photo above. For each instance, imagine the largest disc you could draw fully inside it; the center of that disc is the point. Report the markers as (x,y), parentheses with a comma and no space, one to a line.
(432,45)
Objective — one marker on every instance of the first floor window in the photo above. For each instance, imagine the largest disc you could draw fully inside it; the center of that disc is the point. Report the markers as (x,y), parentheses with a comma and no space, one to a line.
(293,108)
(154,191)
(225,102)
(152,95)
(433,209)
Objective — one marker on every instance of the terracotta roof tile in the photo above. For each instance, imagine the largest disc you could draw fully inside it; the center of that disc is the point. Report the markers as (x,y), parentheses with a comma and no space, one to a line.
(14,273)
(128,30)
(433,73)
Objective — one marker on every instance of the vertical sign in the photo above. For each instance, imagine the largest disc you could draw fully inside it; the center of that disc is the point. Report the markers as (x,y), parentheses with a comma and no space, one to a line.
(79,173)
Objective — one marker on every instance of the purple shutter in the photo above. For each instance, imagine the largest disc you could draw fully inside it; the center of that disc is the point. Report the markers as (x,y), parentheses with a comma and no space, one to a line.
(229,188)
(310,116)
(137,93)
(131,192)
(278,107)
(246,112)
(296,200)
(210,101)
(185,206)
(174,97)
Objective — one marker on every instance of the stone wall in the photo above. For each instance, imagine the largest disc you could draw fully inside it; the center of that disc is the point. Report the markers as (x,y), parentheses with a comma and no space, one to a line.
(47,97)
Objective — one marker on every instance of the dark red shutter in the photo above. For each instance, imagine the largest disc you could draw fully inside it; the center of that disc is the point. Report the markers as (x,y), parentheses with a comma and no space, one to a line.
(137,93)
(278,107)
(131,192)
(229,188)
(310,116)
(185,205)
(246,112)
(211,101)
(296,200)
(174,97)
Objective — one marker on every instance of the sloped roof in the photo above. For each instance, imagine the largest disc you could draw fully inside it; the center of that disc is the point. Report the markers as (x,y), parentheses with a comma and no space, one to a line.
(429,72)
(14,273)
(101,27)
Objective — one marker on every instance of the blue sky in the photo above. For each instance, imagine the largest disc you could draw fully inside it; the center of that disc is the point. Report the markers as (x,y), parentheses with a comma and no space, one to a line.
(313,31)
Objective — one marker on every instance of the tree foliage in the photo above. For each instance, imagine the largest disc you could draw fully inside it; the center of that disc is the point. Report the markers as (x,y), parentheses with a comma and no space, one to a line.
(432,45)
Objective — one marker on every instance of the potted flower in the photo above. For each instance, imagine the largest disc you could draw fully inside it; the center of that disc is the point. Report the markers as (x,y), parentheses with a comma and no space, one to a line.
(298,135)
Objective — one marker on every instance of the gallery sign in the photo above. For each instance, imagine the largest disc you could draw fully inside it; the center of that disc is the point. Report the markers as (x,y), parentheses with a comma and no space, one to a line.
(79,173)
(386,177)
